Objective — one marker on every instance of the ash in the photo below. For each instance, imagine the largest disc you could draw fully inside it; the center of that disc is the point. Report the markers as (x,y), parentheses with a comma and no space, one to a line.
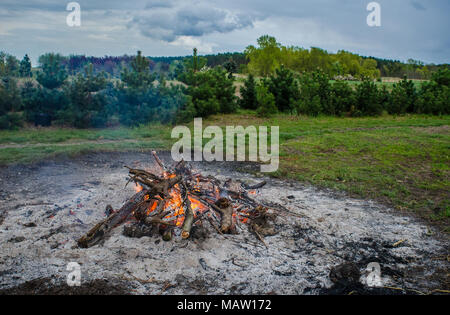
(46,207)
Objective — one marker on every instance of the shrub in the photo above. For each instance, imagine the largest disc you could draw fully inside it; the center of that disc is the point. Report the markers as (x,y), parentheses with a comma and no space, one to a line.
(11,121)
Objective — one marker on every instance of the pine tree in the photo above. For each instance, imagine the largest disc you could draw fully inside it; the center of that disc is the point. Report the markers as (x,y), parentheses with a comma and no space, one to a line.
(248,92)
(25,67)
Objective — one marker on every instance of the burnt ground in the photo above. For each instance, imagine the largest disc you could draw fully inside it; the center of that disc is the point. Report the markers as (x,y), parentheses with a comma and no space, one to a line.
(47,206)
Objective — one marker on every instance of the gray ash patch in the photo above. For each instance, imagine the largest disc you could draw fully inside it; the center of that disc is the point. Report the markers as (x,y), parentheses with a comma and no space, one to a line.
(316,230)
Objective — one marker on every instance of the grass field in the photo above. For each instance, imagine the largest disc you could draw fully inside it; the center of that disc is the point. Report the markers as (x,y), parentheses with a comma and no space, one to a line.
(400,161)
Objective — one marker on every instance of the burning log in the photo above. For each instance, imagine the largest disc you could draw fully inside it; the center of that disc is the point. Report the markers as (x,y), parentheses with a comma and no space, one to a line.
(188,213)
(179,198)
(226,210)
(97,233)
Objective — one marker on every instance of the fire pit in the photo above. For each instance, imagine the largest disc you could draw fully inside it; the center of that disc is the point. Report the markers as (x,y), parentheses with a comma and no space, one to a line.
(48,207)
(178,200)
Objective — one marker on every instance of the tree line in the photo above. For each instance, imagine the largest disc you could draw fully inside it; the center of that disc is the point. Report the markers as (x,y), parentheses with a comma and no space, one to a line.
(56,94)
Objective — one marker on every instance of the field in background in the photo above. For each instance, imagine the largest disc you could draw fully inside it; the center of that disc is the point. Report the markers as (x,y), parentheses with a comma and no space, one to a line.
(400,161)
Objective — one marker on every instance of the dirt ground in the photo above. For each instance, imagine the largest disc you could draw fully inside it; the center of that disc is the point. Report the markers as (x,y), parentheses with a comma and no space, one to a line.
(47,206)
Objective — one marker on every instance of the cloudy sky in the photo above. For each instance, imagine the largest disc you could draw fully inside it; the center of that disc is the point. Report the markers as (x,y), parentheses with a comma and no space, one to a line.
(415,29)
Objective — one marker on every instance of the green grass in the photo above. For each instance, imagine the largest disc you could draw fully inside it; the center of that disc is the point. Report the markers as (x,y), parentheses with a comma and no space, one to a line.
(400,161)
(54,135)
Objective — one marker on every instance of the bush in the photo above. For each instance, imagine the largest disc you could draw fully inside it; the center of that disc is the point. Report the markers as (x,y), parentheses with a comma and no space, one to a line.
(11,121)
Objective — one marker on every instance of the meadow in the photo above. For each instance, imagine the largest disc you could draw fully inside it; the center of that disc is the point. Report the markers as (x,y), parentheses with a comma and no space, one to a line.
(400,161)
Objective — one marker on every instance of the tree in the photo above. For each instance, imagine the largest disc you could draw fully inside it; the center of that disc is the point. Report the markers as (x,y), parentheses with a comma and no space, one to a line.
(367,99)
(25,67)
(140,75)
(284,87)
(85,107)
(248,93)
(266,102)
(53,73)
(403,97)
(266,58)
(231,67)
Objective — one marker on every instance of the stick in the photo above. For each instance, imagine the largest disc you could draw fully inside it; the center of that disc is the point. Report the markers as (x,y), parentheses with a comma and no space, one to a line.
(188,213)
(100,230)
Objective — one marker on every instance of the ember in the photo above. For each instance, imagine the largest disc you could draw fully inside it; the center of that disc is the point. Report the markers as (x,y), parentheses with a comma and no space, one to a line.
(178,199)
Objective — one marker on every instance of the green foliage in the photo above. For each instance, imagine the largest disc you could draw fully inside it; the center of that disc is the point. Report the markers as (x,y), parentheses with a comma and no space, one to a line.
(248,93)
(11,121)
(367,100)
(342,98)
(85,108)
(139,76)
(212,92)
(53,73)
(10,99)
(25,67)
(284,88)
(9,65)
(266,101)
(442,77)
(269,55)
(403,97)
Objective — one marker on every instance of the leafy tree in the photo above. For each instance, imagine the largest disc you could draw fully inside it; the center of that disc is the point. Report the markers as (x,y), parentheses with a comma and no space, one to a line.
(248,93)
(25,67)
(266,58)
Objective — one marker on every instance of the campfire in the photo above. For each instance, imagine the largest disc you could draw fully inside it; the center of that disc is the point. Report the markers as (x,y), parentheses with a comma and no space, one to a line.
(179,200)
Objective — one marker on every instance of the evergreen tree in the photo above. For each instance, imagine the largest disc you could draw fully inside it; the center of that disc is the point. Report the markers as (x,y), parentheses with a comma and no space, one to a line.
(140,75)
(248,93)
(266,101)
(53,72)
(284,87)
(25,67)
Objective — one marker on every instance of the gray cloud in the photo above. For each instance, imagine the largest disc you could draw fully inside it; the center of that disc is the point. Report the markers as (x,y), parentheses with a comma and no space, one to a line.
(410,28)
(192,19)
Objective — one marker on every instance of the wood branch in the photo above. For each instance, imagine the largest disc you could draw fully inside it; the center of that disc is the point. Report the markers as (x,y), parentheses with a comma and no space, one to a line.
(188,213)
(158,160)
(100,230)
(226,209)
